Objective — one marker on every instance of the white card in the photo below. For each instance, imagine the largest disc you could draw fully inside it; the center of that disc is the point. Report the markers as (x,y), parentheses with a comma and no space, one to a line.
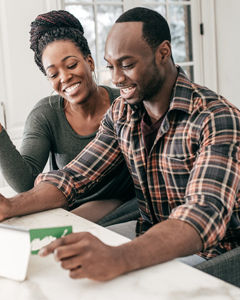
(15,249)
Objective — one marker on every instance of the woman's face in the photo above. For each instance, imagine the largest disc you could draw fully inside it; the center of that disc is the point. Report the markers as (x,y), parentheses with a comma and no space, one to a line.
(68,71)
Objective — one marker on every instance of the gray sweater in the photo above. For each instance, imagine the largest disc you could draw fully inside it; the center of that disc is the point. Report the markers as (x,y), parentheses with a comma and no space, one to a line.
(47,134)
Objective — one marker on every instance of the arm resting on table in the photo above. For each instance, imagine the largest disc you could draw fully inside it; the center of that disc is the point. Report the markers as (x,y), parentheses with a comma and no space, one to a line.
(42,197)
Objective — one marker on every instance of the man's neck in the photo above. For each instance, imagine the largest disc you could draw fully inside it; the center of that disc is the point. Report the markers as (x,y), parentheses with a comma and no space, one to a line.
(159,103)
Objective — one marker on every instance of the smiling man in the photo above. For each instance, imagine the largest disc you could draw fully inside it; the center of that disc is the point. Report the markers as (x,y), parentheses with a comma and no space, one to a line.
(180,142)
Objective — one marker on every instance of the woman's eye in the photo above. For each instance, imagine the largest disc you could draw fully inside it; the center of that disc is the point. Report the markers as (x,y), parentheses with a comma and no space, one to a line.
(72,66)
(52,76)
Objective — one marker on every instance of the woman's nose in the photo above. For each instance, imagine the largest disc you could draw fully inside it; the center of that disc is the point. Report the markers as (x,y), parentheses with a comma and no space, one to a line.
(65,76)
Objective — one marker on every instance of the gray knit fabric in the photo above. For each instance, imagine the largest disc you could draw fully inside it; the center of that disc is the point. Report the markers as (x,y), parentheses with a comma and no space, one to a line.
(225,266)
(46,132)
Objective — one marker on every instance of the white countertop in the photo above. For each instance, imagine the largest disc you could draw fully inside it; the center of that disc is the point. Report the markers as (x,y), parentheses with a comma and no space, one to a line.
(46,280)
(7,191)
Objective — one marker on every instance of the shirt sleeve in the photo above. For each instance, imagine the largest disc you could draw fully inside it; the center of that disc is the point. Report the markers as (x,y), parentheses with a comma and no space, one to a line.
(99,158)
(214,180)
(20,168)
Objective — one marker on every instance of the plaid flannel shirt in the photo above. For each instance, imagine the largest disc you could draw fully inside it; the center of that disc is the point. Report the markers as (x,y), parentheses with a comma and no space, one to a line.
(192,172)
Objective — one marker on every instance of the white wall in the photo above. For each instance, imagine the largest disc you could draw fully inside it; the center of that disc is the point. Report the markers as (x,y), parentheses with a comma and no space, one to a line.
(228,48)
(22,83)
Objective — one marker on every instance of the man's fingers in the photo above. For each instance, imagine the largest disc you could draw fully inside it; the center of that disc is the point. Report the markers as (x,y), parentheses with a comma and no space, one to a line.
(66,240)
(77,273)
(85,256)
(71,263)
(50,248)
(70,250)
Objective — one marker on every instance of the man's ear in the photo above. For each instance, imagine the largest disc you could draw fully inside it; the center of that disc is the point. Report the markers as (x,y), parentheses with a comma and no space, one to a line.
(163,52)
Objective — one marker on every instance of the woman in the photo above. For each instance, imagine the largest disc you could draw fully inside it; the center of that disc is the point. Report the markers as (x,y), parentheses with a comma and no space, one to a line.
(60,126)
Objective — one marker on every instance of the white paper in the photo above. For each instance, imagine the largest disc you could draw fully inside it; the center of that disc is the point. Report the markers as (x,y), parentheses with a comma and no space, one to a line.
(15,251)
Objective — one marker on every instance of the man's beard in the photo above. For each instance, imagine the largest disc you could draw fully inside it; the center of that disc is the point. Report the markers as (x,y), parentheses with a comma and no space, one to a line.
(153,86)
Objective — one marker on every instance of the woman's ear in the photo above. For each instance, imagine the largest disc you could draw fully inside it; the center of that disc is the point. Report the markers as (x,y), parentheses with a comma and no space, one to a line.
(91,62)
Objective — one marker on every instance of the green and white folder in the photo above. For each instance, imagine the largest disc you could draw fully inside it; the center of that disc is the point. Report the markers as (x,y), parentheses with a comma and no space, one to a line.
(17,244)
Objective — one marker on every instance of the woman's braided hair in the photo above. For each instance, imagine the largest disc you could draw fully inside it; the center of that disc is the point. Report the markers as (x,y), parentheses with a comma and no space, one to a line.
(52,26)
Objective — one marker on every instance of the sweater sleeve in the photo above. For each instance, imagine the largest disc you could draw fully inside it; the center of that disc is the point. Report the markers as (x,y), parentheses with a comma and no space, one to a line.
(99,159)
(20,168)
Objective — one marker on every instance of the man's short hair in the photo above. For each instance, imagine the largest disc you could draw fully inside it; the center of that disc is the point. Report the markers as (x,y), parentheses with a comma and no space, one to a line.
(155,27)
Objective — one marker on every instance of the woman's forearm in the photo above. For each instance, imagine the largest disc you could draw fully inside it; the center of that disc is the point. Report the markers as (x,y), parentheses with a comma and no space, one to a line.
(20,171)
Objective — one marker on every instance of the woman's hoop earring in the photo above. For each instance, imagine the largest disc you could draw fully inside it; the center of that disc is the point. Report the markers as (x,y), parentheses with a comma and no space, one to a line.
(94,77)
(49,98)
(54,93)
(65,103)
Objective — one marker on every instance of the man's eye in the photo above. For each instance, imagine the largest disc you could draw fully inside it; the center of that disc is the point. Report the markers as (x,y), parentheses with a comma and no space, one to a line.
(127,66)
(72,66)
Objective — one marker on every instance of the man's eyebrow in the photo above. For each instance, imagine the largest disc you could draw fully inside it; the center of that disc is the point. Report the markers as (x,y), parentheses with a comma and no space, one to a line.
(120,59)
(65,58)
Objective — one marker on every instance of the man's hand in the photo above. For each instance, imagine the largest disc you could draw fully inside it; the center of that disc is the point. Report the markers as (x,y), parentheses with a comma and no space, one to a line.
(4,207)
(85,256)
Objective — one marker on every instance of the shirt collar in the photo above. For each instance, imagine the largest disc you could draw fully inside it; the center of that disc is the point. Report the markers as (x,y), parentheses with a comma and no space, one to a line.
(182,93)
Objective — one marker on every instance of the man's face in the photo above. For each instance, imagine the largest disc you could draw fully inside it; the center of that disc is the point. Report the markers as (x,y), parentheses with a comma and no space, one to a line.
(132,63)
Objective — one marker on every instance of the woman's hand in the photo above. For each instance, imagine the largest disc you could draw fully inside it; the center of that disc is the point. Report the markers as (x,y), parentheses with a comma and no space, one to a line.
(85,256)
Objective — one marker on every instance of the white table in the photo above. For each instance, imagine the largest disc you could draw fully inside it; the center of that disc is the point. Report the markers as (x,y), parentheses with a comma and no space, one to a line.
(46,280)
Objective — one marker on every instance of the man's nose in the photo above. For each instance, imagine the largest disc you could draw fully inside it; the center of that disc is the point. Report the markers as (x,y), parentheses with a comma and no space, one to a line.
(118,76)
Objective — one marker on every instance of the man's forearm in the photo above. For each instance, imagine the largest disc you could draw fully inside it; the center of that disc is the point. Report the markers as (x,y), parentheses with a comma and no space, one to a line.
(163,242)
(42,197)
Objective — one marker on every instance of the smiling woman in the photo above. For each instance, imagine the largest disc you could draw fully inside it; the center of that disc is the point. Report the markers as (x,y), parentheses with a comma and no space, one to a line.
(60,126)
(70,74)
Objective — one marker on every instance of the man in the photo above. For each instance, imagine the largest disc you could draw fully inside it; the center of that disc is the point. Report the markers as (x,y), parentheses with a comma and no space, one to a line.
(180,142)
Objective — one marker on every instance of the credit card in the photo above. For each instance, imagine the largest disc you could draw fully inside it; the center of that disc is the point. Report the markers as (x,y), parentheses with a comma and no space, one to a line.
(41,237)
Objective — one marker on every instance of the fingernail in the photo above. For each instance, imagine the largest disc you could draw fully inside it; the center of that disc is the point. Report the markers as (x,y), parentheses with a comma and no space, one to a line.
(55,255)
(42,252)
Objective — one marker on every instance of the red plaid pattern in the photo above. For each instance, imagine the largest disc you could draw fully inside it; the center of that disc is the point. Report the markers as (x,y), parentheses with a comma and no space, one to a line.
(191,174)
